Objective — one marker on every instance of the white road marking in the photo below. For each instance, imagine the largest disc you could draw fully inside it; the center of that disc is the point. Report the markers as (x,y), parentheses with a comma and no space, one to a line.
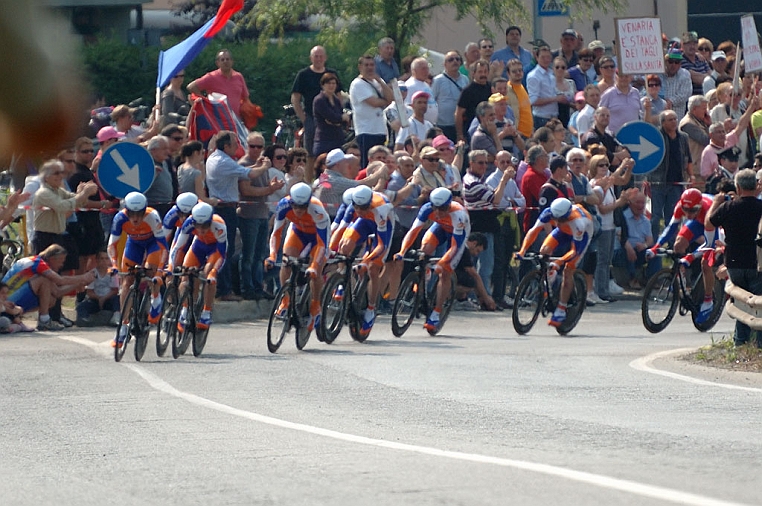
(598,480)
(644,364)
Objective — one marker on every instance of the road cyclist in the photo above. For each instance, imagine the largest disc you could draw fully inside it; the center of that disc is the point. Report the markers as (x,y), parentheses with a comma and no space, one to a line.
(177,215)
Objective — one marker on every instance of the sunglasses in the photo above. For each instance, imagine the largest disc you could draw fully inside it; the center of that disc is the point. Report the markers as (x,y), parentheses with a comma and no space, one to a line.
(430,159)
(560,68)
(178,76)
(604,164)
(280,157)
(454,58)
(178,139)
(300,158)
(68,161)
(587,59)
(704,49)
(675,62)
(573,160)
(653,85)
(607,66)
(256,146)
(486,47)
(86,151)
(445,149)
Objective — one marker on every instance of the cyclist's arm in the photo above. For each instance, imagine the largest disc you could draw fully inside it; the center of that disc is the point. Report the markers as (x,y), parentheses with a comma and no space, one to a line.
(531,237)
(383,232)
(116,234)
(179,247)
(669,232)
(415,229)
(222,248)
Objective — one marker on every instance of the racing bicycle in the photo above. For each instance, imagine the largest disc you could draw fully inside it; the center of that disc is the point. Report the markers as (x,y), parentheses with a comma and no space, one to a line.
(135,307)
(537,293)
(417,294)
(295,314)
(190,334)
(344,299)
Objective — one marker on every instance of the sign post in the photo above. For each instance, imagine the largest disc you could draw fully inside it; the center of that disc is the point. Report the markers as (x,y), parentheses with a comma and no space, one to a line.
(126,167)
(752,56)
(645,144)
(639,47)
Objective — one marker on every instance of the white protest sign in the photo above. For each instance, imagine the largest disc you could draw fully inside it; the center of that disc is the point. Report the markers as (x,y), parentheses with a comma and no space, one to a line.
(639,45)
(751,53)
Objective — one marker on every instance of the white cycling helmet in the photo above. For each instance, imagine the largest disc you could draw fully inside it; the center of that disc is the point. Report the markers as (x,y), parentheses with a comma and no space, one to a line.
(301,193)
(202,213)
(560,208)
(440,197)
(347,197)
(186,201)
(362,196)
(135,201)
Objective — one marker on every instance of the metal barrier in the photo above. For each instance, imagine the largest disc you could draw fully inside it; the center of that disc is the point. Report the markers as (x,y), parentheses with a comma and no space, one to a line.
(744,306)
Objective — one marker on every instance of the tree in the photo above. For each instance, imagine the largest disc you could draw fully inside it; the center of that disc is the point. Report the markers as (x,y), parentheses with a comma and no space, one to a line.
(402,20)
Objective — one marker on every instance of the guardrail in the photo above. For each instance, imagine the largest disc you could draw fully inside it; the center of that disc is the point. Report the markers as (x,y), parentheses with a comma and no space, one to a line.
(744,306)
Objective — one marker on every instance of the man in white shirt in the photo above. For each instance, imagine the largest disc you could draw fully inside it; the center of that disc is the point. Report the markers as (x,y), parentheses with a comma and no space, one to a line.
(369,95)
(585,117)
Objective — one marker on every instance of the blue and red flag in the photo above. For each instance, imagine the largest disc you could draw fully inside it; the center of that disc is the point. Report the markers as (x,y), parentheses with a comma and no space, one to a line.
(179,56)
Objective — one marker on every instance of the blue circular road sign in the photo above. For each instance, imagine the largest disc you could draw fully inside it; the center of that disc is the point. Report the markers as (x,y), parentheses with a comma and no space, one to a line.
(126,167)
(645,143)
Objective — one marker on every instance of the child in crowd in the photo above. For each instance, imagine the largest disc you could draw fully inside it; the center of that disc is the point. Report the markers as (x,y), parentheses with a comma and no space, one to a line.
(10,314)
(102,293)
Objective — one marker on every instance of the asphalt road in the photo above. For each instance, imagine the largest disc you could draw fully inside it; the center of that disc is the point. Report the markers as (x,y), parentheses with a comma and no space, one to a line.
(475,416)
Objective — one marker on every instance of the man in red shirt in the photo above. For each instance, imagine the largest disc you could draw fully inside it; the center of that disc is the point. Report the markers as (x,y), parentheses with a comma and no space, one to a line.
(224,80)
(531,183)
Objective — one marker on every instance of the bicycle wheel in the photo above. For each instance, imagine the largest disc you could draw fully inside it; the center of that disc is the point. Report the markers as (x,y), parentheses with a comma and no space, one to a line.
(355,313)
(718,294)
(660,298)
(142,329)
(303,301)
(529,299)
(199,335)
(333,307)
(126,312)
(576,304)
(446,305)
(167,326)
(180,340)
(406,305)
(512,279)
(278,325)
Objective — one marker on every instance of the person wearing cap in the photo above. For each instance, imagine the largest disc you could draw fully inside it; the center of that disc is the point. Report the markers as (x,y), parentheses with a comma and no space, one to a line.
(369,95)
(598,48)
(541,87)
(720,71)
(720,139)
(676,86)
(513,50)
(335,180)
(652,103)
(386,65)
(476,92)
(726,170)
(446,89)
(420,70)
(579,73)
(419,126)
(568,49)
(430,173)
(694,63)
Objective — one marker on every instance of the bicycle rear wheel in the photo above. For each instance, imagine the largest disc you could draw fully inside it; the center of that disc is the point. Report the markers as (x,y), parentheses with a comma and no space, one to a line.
(576,304)
(278,325)
(181,340)
(660,298)
(406,305)
(333,307)
(167,326)
(528,303)
(303,301)
(719,298)
(126,313)
(142,329)
(199,335)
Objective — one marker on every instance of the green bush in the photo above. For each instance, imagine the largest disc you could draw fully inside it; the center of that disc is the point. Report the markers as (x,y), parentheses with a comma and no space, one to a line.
(123,72)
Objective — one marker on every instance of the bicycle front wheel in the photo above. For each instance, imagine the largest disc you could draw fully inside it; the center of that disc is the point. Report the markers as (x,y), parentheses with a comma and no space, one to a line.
(719,298)
(529,299)
(355,314)
(446,305)
(406,305)
(303,301)
(576,304)
(142,328)
(181,338)
(167,326)
(333,307)
(126,313)
(660,298)
(280,319)
(199,335)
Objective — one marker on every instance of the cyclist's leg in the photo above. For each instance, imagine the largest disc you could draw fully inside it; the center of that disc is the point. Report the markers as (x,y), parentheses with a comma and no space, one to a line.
(151,263)
(134,252)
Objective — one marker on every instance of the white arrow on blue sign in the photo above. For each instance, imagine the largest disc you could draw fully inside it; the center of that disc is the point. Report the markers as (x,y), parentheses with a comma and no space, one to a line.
(645,143)
(126,167)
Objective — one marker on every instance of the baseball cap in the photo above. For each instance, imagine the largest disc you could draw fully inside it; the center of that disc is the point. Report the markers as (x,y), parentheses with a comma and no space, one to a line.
(108,132)
(420,94)
(596,44)
(569,33)
(429,151)
(674,54)
(717,55)
(497,97)
(579,96)
(335,156)
(442,140)
(689,37)
(732,153)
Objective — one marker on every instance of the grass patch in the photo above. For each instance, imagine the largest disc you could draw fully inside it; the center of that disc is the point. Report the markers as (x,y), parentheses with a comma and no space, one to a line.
(726,355)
